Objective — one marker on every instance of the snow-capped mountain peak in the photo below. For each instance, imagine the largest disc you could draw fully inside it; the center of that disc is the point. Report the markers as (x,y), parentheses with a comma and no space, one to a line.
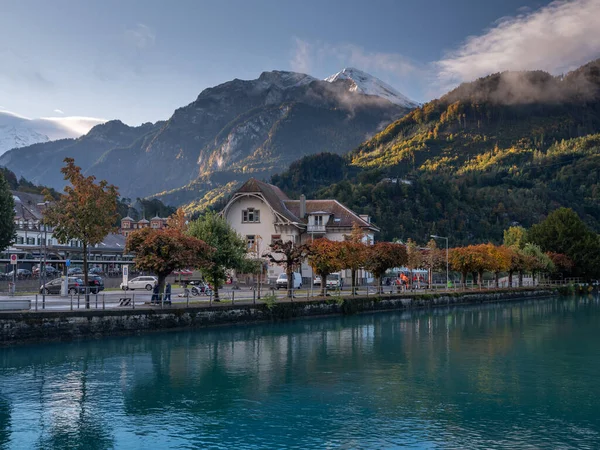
(367,84)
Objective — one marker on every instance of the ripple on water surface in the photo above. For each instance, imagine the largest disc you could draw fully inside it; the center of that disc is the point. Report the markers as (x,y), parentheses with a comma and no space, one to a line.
(514,375)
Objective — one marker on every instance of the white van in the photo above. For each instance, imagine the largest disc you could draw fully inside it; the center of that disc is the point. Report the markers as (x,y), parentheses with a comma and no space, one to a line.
(282,281)
(334,281)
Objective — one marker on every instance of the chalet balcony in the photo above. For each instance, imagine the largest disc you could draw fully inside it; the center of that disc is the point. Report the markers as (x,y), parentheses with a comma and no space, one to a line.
(316,229)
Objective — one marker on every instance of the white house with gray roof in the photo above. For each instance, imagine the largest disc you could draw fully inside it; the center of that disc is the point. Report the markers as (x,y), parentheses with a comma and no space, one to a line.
(262,213)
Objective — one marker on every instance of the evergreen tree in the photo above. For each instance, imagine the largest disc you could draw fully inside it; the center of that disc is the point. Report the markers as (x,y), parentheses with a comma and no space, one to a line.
(7,214)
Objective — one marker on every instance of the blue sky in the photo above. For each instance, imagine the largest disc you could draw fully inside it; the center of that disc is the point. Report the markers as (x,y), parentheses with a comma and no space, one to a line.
(140,60)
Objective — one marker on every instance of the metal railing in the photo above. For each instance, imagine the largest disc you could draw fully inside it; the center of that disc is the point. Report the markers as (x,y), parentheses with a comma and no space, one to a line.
(247,296)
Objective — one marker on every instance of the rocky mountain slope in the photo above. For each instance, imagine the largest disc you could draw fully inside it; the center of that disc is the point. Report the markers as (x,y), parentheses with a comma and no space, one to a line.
(504,149)
(229,133)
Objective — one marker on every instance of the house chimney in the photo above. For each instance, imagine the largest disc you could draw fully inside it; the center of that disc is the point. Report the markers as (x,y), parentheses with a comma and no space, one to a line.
(302,206)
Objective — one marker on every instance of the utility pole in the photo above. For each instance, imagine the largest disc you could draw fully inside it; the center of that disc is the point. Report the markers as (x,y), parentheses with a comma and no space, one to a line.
(447,264)
(44,248)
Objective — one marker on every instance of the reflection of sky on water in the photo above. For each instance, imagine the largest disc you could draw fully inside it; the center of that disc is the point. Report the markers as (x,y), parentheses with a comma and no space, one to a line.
(471,377)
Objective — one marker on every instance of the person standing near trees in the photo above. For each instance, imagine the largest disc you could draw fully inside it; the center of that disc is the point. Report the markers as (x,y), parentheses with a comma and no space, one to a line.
(168,293)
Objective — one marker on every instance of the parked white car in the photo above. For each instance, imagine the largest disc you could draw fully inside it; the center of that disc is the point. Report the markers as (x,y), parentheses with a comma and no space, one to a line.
(146,282)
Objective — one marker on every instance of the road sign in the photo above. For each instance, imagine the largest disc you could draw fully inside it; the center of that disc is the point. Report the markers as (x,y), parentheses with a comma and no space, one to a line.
(68,262)
(13,259)
(125,271)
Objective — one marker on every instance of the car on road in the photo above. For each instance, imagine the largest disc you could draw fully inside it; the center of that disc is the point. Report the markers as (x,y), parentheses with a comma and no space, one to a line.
(96,271)
(95,283)
(50,271)
(144,282)
(75,271)
(282,281)
(21,274)
(76,286)
(317,281)
(334,281)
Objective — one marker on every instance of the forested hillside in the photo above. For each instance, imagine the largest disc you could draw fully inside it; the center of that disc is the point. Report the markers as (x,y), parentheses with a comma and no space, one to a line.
(505,149)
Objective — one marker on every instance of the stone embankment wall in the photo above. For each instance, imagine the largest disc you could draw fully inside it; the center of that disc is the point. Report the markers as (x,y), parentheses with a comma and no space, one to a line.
(19,327)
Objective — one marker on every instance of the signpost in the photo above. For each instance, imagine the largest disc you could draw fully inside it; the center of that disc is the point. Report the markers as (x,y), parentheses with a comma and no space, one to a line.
(65,286)
(125,275)
(12,286)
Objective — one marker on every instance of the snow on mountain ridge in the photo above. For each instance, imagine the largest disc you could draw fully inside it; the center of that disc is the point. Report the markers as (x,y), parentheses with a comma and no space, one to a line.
(14,137)
(19,131)
(367,84)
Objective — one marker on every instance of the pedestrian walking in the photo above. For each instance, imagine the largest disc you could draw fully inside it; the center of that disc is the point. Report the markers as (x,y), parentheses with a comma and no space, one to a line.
(154,294)
(168,293)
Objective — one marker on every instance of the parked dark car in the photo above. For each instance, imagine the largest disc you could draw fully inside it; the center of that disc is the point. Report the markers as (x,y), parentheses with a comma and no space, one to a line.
(75,271)
(96,283)
(22,274)
(76,285)
(96,271)
(50,271)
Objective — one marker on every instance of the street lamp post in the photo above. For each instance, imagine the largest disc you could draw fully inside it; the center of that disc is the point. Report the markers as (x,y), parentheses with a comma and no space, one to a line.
(435,236)
(43,264)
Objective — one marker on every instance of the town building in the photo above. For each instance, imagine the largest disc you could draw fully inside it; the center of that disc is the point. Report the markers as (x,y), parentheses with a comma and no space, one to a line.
(262,213)
(34,239)
(128,224)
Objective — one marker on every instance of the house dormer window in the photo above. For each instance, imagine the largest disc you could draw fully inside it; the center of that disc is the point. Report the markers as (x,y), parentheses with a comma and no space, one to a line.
(319,221)
(250,215)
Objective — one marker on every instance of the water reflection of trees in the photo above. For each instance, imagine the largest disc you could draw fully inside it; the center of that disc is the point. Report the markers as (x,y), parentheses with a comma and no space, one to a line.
(451,367)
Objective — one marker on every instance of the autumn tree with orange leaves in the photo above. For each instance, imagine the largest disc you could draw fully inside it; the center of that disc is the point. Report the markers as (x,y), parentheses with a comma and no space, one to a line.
(288,255)
(87,212)
(464,261)
(500,260)
(354,253)
(383,256)
(165,250)
(326,257)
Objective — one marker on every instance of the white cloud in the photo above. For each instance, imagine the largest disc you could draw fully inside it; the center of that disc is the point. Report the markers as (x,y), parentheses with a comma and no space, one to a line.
(555,38)
(59,111)
(73,126)
(306,55)
(141,36)
(53,127)
(302,58)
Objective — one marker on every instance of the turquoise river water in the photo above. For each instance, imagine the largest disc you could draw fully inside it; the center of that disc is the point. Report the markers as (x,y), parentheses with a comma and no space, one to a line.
(519,375)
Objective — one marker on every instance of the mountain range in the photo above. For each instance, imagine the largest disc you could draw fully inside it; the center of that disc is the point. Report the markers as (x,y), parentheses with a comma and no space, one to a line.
(233,131)
(18,131)
(502,150)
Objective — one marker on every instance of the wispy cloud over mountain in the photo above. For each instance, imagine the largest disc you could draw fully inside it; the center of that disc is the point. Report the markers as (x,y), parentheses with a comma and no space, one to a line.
(17,130)
(555,38)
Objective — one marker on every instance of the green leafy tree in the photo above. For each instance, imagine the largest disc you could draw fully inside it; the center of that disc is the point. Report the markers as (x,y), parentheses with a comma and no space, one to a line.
(87,211)
(289,256)
(515,237)
(161,251)
(7,214)
(536,260)
(229,248)
(564,232)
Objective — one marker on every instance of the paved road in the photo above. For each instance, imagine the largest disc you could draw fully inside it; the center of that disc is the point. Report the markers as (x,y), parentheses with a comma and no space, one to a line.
(141,298)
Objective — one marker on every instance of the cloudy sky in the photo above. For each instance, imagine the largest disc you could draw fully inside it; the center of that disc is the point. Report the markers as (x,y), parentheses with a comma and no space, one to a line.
(138,60)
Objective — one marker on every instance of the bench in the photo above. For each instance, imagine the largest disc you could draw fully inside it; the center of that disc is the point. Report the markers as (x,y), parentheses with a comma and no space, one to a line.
(125,301)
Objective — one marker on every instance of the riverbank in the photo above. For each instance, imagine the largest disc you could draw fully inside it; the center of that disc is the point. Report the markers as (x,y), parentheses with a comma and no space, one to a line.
(28,327)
